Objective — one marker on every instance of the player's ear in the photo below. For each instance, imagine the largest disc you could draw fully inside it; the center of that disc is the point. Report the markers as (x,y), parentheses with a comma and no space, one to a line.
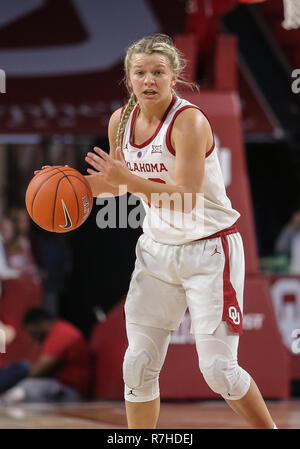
(128,83)
(174,80)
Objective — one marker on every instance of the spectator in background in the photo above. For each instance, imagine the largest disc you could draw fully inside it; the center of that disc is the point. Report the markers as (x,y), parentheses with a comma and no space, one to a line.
(15,260)
(8,326)
(18,253)
(288,242)
(9,376)
(53,256)
(62,370)
(6,272)
(22,223)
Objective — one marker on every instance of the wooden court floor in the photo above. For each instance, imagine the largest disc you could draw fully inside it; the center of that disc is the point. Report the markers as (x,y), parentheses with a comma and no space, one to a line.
(111,415)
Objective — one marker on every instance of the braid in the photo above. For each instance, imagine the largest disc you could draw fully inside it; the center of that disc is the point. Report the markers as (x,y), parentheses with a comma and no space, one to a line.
(125,115)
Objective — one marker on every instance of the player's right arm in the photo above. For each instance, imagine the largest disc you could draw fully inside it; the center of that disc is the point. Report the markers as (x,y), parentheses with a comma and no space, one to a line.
(97,184)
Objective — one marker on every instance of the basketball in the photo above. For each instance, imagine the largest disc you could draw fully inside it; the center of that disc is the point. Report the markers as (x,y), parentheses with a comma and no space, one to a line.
(59,199)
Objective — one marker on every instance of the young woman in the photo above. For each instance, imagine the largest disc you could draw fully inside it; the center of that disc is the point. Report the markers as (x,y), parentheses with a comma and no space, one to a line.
(161,148)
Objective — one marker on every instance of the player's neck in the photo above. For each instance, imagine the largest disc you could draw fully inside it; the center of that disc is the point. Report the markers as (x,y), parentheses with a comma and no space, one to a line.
(154,112)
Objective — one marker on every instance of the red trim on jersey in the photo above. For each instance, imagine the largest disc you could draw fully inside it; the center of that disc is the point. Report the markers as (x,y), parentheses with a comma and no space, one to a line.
(135,111)
(134,115)
(168,137)
(211,150)
(231,309)
(122,110)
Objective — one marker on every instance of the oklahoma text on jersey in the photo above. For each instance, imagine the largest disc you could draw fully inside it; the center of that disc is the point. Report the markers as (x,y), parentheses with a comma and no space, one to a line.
(146,167)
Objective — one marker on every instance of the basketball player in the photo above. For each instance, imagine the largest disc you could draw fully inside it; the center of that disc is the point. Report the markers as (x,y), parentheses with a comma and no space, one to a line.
(162,144)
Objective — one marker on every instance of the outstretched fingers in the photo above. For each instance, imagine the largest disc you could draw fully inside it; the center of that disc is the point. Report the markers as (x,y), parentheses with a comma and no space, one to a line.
(95,161)
(103,154)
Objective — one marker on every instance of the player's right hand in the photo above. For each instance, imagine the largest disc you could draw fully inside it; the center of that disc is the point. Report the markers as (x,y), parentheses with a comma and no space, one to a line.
(38,171)
(44,166)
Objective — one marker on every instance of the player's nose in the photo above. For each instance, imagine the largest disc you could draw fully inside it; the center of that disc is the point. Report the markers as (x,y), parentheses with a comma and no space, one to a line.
(149,79)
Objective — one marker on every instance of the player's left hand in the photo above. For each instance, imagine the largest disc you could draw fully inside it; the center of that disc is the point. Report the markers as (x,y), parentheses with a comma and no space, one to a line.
(113,171)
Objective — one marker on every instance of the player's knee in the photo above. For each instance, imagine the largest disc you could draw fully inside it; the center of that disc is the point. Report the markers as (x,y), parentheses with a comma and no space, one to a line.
(134,366)
(225,377)
(140,376)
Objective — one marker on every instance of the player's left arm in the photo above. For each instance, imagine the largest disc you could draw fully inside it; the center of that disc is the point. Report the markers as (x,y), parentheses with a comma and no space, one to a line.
(191,137)
(44,366)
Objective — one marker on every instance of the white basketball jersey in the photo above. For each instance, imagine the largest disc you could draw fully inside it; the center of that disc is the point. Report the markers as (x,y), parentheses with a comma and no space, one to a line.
(155,160)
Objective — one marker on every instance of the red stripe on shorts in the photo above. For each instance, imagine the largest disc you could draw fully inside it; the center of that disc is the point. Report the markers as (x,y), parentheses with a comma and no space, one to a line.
(231,309)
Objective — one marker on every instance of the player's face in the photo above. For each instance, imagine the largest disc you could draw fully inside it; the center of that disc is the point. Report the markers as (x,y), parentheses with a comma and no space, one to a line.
(151,77)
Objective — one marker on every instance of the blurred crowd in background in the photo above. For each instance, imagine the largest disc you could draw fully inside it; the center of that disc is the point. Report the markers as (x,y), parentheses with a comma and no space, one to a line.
(43,257)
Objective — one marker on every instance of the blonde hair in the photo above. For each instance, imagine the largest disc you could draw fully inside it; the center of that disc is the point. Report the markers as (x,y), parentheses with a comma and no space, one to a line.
(157,43)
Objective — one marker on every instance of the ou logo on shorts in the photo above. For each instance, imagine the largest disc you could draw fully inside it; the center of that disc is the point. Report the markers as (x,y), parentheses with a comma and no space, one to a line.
(234,315)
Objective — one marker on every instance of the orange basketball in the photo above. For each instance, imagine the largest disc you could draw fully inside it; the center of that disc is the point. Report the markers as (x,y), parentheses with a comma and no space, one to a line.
(59,199)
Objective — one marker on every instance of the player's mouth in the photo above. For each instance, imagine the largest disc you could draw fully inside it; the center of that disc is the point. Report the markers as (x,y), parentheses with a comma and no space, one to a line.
(149,93)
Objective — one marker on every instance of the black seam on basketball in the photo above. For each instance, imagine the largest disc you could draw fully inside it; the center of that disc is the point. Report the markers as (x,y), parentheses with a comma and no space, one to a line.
(39,188)
(46,170)
(72,169)
(66,176)
(81,180)
(65,170)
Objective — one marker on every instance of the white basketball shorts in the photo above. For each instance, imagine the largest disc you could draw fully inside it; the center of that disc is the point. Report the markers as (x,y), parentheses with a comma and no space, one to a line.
(207,276)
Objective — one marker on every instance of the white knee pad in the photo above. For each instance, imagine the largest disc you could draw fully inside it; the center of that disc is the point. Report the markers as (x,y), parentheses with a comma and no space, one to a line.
(141,383)
(134,367)
(143,361)
(225,377)
(217,354)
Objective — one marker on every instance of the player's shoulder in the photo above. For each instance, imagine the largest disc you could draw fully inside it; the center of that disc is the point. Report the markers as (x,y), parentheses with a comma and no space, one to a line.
(114,120)
(116,116)
(191,118)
